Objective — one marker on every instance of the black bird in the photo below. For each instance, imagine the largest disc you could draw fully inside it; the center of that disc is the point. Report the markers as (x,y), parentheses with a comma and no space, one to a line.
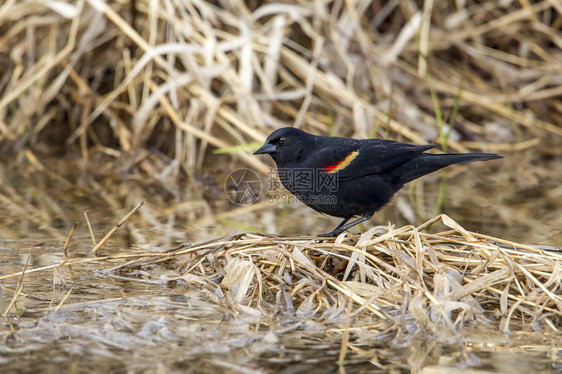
(346,177)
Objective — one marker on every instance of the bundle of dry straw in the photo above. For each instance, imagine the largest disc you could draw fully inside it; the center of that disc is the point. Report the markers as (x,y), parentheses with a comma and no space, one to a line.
(406,275)
(406,279)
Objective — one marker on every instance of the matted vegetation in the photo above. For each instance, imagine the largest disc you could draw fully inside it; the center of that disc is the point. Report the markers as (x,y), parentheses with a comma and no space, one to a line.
(201,66)
(400,285)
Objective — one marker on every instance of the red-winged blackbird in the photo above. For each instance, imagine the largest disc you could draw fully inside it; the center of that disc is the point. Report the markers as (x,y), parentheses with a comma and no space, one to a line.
(346,177)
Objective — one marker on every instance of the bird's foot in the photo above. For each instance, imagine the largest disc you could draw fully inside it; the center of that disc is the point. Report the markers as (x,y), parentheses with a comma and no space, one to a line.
(331,234)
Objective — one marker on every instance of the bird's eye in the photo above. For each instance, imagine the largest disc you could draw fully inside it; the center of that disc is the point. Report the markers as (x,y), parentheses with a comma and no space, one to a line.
(282,140)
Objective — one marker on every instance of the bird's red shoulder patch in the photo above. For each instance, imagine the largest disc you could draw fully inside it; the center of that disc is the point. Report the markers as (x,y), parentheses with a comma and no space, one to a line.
(341,164)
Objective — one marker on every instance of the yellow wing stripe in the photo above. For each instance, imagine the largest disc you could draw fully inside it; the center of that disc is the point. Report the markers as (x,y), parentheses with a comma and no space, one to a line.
(342,164)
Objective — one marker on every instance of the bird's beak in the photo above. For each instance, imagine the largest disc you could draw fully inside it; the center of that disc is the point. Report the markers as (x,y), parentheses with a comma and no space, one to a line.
(266,148)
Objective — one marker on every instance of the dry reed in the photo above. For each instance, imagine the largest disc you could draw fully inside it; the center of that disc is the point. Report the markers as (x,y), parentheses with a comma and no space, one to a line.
(151,89)
(405,279)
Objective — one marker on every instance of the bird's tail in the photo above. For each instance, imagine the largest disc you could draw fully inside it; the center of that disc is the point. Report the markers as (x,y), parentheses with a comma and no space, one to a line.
(428,163)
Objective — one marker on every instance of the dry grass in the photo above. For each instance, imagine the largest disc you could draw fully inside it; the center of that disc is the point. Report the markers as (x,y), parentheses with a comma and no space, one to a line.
(152,87)
(402,281)
(438,282)
(186,76)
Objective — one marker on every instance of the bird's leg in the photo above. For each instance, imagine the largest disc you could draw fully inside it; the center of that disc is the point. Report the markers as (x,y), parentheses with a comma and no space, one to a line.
(342,226)
(332,233)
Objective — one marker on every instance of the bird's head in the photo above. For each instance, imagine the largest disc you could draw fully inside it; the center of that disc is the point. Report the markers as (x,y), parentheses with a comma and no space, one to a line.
(287,144)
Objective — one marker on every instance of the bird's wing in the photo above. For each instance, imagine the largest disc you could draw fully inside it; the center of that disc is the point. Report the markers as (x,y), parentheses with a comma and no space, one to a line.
(354,159)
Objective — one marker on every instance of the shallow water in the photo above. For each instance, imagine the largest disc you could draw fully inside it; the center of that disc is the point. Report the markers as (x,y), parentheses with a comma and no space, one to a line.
(495,198)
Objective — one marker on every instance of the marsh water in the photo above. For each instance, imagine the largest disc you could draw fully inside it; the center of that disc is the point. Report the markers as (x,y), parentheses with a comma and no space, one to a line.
(92,318)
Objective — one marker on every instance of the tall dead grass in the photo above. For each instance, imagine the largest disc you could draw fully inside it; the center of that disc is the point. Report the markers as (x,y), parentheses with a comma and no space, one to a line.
(152,87)
(183,76)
